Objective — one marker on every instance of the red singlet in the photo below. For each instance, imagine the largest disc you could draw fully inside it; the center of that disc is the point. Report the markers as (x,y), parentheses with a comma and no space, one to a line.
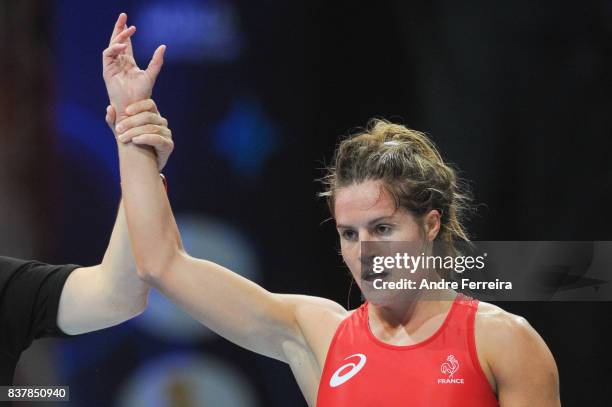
(441,371)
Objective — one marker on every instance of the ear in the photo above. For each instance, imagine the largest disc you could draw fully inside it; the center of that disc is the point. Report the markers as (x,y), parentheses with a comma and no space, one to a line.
(432,224)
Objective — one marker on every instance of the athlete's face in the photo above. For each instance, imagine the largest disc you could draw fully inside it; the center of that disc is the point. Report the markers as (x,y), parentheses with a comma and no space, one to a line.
(367,212)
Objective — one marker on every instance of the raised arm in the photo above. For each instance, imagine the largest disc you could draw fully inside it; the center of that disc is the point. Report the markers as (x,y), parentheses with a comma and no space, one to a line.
(111,292)
(229,304)
(226,302)
(106,294)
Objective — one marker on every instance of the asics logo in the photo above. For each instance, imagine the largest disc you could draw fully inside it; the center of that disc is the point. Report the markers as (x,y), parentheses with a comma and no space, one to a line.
(342,375)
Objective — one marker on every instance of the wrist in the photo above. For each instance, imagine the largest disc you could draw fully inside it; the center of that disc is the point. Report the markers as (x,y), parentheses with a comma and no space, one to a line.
(119,110)
(164,181)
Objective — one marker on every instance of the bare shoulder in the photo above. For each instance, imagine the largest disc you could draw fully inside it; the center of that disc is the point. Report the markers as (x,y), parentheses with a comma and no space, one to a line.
(500,328)
(514,355)
(493,318)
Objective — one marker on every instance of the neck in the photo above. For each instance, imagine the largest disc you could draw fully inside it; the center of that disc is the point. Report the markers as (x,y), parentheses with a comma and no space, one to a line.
(413,310)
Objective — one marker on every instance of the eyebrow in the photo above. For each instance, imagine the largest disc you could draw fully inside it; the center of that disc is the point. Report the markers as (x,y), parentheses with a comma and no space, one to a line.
(340,226)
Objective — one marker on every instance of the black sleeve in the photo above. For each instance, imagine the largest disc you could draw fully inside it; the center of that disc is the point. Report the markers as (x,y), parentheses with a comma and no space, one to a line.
(29,299)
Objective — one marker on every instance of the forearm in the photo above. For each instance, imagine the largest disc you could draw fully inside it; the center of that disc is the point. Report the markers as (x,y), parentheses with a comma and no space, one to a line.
(153,232)
(106,294)
(125,288)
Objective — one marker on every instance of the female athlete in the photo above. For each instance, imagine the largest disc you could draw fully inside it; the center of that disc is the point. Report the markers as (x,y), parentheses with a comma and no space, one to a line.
(387,183)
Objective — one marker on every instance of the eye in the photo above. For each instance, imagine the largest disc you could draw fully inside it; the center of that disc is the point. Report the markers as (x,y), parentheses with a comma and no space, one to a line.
(348,234)
(384,229)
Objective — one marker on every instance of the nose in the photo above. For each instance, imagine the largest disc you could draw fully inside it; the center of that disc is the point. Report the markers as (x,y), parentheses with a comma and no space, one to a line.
(367,249)
(364,236)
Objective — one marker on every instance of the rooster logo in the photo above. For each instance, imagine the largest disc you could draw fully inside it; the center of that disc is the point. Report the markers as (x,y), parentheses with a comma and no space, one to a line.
(450,367)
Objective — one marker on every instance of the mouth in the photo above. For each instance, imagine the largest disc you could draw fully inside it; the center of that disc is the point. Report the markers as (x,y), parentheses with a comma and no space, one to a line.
(369,275)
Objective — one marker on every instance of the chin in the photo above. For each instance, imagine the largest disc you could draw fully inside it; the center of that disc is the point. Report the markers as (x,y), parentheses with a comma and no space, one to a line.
(384,298)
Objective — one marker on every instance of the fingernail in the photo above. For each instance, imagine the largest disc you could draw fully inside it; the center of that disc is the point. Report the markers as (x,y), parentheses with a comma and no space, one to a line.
(119,128)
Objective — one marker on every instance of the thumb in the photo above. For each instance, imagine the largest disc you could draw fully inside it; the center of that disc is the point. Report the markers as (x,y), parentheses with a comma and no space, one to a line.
(111,116)
(156,62)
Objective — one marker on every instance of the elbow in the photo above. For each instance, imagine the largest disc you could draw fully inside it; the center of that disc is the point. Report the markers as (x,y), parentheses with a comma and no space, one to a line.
(152,268)
(131,306)
(149,273)
(146,273)
(127,310)
(140,306)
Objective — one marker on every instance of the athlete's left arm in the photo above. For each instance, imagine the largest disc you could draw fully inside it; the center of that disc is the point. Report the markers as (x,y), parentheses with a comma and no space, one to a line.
(523,367)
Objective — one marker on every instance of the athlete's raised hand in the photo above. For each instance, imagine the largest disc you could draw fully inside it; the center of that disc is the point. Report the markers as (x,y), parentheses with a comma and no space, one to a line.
(125,82)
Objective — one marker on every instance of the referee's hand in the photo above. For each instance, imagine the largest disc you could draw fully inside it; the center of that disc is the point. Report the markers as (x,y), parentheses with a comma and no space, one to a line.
(143,125)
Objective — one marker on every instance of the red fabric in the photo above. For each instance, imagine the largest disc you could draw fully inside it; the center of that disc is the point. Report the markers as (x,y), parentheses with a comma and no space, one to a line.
(442,371)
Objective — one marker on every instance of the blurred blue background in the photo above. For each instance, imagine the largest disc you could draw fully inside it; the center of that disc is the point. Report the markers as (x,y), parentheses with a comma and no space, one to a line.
(517,94)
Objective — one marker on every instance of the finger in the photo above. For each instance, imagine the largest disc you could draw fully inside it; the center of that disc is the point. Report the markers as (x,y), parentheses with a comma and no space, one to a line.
(147,105)
(156,62)
(112,51)
(121,20)
(124,35)
(127,136)
(110,116)
(140,119)
(129,49)
(154,140)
